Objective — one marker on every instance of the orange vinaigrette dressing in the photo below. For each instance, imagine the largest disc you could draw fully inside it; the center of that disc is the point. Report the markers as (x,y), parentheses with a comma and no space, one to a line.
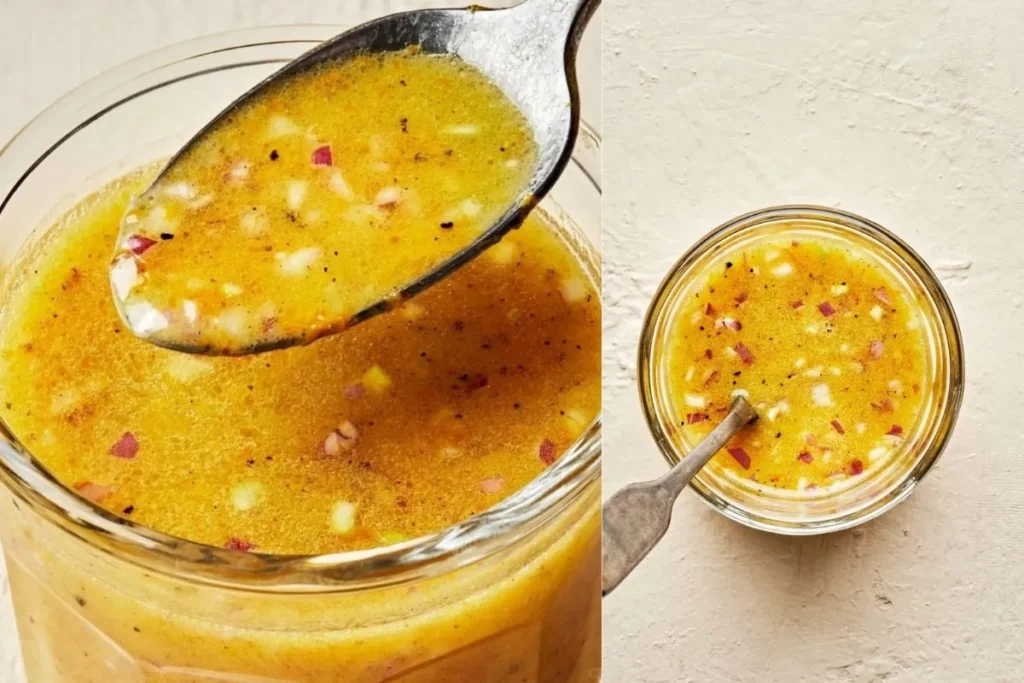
(319,199)
(404,425)
(821,339)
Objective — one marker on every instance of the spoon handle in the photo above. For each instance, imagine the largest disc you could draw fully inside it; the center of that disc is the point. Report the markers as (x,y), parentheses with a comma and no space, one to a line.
(636,517)
(561,18)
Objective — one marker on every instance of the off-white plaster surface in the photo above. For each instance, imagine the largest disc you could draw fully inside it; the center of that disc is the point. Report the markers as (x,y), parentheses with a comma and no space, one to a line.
(909,113)
(47,47)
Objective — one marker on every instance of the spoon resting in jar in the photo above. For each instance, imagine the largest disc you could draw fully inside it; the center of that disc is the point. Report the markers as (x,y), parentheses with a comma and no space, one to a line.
(635,518)
(238,248)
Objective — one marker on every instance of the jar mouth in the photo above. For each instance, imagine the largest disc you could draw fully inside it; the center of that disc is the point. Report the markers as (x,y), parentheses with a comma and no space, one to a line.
(447,550)
(789,512)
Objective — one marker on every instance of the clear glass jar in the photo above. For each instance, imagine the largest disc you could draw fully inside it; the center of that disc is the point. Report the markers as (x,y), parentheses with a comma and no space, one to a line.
(793,512)
(512,594)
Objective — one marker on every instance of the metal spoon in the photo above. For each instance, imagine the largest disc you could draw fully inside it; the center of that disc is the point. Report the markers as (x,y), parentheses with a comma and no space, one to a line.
(528,51)
(636,517)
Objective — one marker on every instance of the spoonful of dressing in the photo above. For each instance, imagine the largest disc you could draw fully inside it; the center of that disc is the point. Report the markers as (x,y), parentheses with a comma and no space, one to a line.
(363,172)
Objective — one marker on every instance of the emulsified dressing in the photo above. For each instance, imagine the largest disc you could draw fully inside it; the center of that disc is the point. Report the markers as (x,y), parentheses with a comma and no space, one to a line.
(321,198)
(402,426)
(822,340)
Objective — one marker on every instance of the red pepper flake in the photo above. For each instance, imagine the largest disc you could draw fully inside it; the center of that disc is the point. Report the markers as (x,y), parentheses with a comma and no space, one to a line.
(917,388)
(97,493)
(546,451)
(709,355)
(744,353)
(741,457)
(694,418)
(875,349)
(885,405)
(475,381)
(839,426)
(797,305)
(269,324)
(856,467)
(805,457)
(127,447)
(896,430)
(709,310)
(239,544)
(355,391)
(883,296)
(740,298)
(826,309)
(322,156)
(733,324)
(811,487)
(138,244)
(711,378)
(492,485)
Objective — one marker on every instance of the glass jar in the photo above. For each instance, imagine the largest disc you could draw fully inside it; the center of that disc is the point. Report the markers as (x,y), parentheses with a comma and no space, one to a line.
(834,508)
(512,594)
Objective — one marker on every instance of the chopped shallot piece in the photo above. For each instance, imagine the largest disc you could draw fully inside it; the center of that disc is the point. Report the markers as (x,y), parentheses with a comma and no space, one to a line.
(341,439)
(821,395)
(546,451)
(732,324)
(296,194)
(711,377)
(885,405)
(388,197)
(138,244)
(838,426)
(741,457)
(322,156)
(826,309)
(574,290)
(805,457)
(97,493)
(239,544)
(694,418)
(355,391)
(883,296)
(876,348)
(238,171)
(492,485)
(896,430)
(856,467)
(127,447)
(744,353)
(343,517)
(797,304)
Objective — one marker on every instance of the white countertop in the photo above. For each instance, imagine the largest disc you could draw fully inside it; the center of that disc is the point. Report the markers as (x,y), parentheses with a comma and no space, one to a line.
(47,47)
(909,114)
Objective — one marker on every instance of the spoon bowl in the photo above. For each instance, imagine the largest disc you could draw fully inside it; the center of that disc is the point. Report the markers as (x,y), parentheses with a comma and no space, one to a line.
(528,51)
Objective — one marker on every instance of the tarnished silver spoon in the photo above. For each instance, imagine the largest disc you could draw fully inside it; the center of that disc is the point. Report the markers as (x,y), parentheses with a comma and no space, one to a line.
(528,51)
(636,517)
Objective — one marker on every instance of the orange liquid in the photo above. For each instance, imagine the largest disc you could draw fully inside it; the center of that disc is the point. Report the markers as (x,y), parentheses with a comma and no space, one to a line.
(825,344)
(402,426)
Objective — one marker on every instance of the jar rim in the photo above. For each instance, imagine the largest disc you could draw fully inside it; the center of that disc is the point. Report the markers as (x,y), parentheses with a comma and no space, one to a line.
(446,550)
(657,313)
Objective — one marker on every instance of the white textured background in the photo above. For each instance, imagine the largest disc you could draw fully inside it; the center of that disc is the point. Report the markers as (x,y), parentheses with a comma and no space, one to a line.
(908,113)
(47,47)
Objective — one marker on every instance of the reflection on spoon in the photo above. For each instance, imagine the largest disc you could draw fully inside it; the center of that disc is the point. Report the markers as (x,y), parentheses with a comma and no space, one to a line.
(357,176)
